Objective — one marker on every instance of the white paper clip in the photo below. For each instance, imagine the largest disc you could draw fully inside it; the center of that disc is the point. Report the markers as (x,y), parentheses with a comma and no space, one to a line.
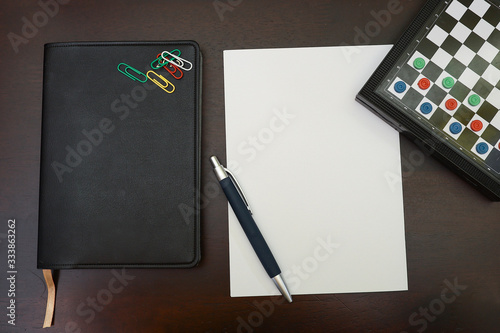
(180,61)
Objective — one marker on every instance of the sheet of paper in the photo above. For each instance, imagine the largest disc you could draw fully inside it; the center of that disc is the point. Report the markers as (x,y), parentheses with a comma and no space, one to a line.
(321,173)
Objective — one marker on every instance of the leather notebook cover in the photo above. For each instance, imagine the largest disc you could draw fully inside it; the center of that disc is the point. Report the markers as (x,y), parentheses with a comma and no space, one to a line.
(120,158)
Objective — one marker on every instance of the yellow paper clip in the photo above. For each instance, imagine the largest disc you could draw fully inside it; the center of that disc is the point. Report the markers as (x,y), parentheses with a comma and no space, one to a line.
(162,86)
(130,75)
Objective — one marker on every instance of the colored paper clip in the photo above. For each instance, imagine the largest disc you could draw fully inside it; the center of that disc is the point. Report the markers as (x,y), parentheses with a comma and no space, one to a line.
(161,62)
(162,86)
(130,75)
(180,60)
(176,69)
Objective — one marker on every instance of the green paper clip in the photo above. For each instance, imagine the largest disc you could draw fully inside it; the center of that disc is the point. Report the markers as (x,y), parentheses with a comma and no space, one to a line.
(162,62)
(129,75)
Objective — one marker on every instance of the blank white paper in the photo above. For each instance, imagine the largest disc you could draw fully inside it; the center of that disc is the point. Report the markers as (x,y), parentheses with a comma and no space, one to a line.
(322,174)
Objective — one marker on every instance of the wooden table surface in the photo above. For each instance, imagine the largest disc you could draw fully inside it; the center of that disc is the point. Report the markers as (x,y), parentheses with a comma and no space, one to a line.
(452,231)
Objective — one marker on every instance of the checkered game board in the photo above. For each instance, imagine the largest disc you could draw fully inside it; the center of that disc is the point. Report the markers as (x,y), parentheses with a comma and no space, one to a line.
(450,79)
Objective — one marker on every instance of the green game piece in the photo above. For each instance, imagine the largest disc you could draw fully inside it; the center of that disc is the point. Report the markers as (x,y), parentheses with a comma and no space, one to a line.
(448,82)
(474,100)
(419,63)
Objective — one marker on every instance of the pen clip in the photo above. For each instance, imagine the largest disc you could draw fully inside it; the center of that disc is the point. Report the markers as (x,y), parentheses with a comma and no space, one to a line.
(238,188)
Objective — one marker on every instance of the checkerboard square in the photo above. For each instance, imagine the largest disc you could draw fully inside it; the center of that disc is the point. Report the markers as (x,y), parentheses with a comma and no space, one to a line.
(474,42)
(470,19)
(439,80)
(491,135)
(455,68)
(493,159)
(446,129)
(471,107)
(432,71)
(441,58)
(484,122)
(437,35)
(491,75)
(482,156)
(425,100)
(469,78)
(466,3)
(494,99)
(479,7)
(496,121)
(459,91)
(491,16)
(488,52)
(496,61)
(478,65)
(417,88)
(456,10)
(465,55)
(440,118)
(412,98)
(442,105)
(463,115)
(427,48)
(494,38)
(415,56)
(436,94)
(483,29)
(487,111)
(397,94)
(451,45)
(482,88)
(446,22)
(408,73)
(468,139)
(460,32)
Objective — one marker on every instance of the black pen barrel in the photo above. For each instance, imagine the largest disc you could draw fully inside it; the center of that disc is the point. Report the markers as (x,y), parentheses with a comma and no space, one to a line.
(250,228)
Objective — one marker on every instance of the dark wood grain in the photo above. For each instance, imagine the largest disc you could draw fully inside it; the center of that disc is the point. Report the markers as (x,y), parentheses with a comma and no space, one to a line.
(452,231)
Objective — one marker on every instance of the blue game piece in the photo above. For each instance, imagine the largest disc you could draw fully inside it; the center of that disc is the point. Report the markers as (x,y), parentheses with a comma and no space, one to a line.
(400,87)
(455,128)
(482,148)
(426,108)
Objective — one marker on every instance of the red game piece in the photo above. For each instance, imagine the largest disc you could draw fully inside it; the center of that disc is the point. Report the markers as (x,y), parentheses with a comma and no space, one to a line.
(451,104)
(476,125)
(424,83)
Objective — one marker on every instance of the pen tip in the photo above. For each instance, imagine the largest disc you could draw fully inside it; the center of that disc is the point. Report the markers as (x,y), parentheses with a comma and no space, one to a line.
(278,281)
(215,161)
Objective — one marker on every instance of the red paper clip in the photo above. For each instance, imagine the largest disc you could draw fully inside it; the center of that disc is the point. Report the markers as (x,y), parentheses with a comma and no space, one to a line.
(176,69)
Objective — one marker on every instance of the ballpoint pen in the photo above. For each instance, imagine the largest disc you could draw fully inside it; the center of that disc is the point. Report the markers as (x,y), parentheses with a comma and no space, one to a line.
(241,209)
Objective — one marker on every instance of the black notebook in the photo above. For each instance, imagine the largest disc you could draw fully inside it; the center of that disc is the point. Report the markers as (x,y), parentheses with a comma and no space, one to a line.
(120,155)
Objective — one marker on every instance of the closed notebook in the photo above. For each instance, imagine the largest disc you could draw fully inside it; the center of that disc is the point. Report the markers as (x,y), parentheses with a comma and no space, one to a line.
(120,158)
